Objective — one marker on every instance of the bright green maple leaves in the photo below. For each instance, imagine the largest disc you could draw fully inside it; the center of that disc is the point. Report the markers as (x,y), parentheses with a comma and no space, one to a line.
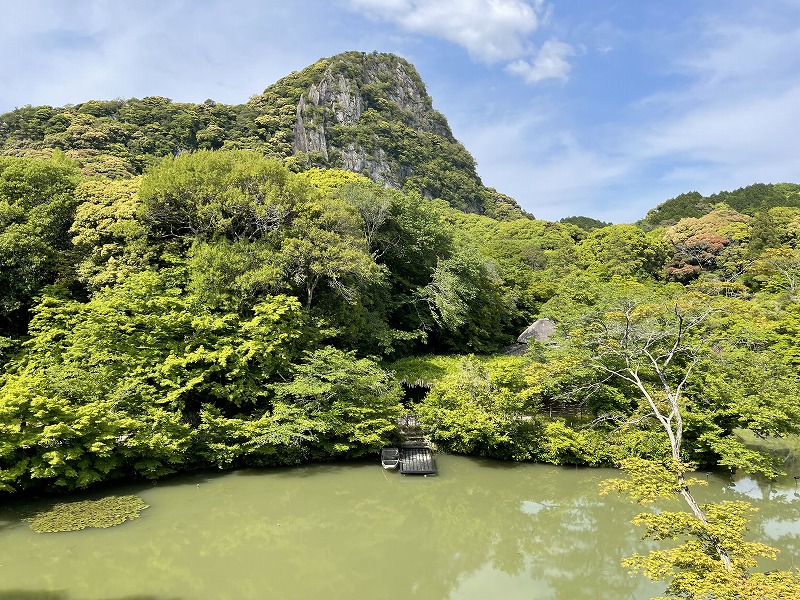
(692,567)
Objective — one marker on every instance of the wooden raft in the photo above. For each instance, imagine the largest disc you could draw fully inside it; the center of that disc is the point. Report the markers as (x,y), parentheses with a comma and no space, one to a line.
(417,460)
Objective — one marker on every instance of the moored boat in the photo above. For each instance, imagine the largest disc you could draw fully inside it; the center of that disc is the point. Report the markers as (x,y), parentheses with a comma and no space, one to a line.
(390,458)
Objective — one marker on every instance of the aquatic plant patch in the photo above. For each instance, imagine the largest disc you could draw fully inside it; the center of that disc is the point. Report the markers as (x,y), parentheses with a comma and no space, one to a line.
(73,516)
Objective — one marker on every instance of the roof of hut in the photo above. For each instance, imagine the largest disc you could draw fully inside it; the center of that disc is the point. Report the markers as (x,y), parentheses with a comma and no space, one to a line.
(540,331)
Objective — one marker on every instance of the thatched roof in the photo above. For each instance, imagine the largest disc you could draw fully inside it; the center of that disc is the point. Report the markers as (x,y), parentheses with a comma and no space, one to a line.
(540,331)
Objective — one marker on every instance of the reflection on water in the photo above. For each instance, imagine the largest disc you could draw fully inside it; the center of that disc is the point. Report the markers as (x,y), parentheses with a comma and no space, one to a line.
(480,529)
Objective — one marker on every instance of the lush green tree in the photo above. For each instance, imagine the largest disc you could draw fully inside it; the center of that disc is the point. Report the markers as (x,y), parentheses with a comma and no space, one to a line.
(623,250)
(407,236)
(120,384)
(352,404)
(468,302)
(233,275)
(763,233)
(37,202)
(473,410)
(237,195)
(325,245)
(374,205)
(276,229)
(787,224)
(691,204)
(787,328)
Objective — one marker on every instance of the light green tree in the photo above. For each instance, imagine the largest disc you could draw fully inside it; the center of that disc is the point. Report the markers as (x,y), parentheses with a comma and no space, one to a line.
(352,404)
(106,231)
(485,411)
(623,250)
(656,348)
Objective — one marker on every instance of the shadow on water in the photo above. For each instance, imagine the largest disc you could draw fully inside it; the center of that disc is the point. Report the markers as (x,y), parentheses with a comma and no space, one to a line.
(304,470)
(61,595)
(22,505)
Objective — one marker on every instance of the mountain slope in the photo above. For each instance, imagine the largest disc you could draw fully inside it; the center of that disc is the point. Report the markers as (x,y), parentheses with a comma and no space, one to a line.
(367,113)
(747,200)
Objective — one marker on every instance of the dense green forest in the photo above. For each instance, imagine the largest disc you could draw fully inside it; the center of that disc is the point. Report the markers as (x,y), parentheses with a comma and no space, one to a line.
(224,310)
(184,287)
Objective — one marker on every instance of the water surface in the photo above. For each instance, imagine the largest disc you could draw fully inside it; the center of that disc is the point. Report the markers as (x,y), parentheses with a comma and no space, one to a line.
(480,529)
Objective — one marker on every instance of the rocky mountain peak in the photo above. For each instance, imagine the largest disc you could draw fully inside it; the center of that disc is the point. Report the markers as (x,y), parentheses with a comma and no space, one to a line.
(371,114)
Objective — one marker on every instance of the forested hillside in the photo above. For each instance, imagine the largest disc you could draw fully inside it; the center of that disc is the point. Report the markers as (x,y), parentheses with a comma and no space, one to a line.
(366,113)
(187,286)
(209,286)
(754,198)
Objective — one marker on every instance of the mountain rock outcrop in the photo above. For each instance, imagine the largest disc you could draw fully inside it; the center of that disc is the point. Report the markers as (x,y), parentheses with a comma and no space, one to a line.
(371,114)
(367,113)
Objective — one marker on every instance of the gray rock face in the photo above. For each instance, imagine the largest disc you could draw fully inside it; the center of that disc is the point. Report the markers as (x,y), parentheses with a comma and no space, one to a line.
(337,101)
(377,166)
(332,98)
(337,93)
(308,135)
(370,114)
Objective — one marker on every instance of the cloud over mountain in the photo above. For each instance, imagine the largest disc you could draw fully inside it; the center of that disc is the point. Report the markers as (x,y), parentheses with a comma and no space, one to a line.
(490,31)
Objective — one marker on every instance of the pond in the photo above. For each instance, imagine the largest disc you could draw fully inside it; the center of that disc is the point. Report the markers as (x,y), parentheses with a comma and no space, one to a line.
(480,529)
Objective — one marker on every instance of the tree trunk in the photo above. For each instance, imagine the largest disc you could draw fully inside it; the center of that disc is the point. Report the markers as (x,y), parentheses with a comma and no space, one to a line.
(673,427)
(698,512)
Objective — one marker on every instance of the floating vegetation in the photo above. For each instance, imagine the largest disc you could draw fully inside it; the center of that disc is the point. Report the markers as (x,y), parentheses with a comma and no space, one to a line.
(72,516)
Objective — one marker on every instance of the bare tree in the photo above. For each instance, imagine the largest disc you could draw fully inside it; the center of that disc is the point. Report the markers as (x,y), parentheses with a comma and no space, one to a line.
(655,347)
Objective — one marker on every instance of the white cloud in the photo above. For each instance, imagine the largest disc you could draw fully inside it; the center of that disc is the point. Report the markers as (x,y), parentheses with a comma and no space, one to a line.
(549,63)
(490,30)
(226,50)
(738,120)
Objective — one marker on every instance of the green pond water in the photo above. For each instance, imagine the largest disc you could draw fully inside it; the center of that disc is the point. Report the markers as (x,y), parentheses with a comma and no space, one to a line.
(478,530)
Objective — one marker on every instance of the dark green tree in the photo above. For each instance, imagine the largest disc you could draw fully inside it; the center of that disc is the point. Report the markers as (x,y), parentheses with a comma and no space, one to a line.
(37,204)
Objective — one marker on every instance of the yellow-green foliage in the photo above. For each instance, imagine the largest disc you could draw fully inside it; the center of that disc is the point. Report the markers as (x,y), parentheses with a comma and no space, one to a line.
(473,412)
(73,516)
(328,181)
(106,232)
(722,221)
(648,480)
(430,368)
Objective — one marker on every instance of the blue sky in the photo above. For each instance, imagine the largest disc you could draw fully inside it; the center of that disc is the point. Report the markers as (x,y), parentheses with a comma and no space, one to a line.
(601,108)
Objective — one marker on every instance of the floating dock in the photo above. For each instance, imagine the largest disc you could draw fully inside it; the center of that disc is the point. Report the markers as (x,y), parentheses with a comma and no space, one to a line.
(417,460)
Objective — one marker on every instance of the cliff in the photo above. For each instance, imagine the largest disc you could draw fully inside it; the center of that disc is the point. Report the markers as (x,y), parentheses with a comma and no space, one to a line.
(371,113)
